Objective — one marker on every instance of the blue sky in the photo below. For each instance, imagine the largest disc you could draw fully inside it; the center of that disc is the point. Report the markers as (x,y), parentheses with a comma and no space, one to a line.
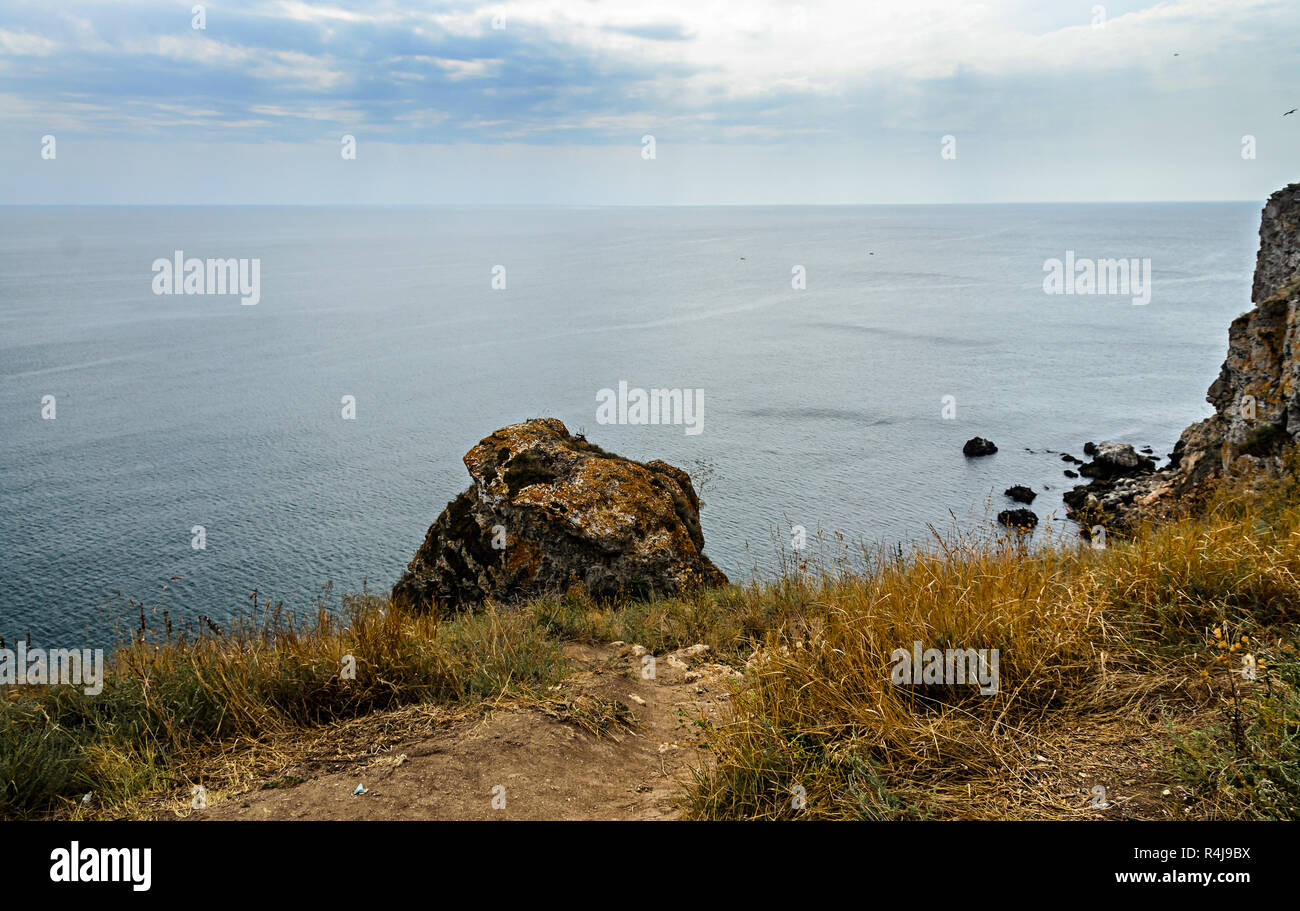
(547,102)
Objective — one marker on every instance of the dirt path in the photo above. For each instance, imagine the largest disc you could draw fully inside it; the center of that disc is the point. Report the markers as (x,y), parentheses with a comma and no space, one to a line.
(539,762)
(611,744)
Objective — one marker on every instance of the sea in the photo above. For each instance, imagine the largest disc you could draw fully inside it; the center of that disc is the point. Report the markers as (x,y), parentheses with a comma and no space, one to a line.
(185,451)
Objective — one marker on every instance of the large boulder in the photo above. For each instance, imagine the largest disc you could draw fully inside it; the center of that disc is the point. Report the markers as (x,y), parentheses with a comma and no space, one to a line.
(546,510)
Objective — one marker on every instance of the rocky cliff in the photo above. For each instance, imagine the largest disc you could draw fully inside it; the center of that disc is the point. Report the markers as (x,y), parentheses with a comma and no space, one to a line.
(1256,396)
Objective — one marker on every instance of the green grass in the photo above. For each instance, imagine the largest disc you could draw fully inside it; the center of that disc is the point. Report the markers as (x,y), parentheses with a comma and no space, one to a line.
(1248,764)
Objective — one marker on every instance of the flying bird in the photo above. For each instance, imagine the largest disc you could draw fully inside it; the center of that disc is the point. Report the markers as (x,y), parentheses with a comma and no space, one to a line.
(1289,113)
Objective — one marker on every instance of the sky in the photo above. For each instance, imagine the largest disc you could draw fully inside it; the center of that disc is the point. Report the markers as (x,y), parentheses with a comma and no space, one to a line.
(166,102)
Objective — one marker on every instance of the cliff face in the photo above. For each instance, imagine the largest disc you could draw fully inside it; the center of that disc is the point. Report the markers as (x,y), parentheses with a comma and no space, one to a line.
(1256,396)
(1257,389)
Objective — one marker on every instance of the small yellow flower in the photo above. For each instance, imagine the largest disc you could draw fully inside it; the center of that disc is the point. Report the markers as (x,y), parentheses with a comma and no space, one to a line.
(1218,632)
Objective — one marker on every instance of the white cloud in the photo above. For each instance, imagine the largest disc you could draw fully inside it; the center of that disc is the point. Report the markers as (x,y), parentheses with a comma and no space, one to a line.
(22,44)
(273,65)
(825,47)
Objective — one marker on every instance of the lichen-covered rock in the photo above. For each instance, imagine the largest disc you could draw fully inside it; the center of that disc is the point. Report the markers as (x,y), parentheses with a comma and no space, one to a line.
(546,510)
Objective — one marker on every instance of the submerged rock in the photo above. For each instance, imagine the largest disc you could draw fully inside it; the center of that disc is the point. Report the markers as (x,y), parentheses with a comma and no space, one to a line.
(978,446)
(546,510)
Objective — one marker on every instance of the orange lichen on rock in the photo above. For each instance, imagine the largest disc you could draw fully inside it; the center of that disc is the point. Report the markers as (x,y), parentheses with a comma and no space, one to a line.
(547,509)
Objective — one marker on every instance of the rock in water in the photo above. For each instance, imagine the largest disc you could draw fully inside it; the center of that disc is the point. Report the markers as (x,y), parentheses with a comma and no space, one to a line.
(1020,493)
(1114,460)
(547,509)
(1018,519)
(978,446)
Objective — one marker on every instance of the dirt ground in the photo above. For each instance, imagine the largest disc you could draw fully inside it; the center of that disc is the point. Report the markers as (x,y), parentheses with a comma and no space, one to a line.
(534,762)
(612,743)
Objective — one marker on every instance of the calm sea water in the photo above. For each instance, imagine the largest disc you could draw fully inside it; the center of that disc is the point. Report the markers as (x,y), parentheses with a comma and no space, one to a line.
(822,406)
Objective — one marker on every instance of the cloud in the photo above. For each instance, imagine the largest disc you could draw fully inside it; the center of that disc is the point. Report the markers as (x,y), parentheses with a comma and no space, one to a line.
(533,67)
(654,31)
(759,72)
(22,44)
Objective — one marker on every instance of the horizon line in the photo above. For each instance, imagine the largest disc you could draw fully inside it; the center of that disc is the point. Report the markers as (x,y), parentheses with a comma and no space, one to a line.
(578,205)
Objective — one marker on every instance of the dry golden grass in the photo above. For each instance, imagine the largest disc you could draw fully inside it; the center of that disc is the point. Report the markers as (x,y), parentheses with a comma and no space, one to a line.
(1115,640)
(171,703)
(1085,637)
